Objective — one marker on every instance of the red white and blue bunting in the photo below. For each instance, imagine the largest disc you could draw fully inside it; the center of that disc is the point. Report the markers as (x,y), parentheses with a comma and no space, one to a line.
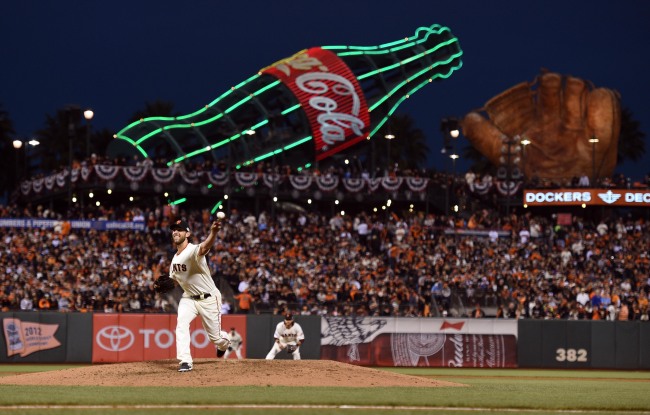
(417,184)
(135,173)
(163,175)
(272,180)
(61,178)
(85,172)
(107,172)
(508,188)
(327,183)
(49,182)
(300,182)
(218,179)
(354,185)
(373,184)
(74,175)
(246,179)
(190,177)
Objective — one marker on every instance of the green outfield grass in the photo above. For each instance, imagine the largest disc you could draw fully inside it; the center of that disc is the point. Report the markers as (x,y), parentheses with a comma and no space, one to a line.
(490,390)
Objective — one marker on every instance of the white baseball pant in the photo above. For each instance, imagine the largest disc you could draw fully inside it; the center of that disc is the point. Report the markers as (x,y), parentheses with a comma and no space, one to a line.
(277,349)
(210,311)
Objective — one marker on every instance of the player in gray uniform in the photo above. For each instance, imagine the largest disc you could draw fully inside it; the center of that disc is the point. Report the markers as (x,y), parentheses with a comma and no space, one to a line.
(287,332)
(235,344)
(190,270)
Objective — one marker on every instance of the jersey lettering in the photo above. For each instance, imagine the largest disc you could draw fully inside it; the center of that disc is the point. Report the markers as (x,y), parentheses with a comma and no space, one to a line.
(179,267)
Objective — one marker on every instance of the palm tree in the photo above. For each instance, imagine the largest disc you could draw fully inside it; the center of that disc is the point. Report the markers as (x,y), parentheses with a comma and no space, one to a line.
(631,143)
(157,108)
(59,136)
(409,148)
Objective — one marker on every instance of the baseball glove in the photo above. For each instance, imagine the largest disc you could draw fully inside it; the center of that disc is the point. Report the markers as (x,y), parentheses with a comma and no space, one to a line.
(163,284)
(559,115)
(291,348)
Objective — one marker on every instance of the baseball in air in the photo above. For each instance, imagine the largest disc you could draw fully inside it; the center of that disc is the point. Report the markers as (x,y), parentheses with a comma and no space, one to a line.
(220,215)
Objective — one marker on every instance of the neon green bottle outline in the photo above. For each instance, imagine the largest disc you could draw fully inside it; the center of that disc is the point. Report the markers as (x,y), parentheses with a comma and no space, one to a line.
(447,62)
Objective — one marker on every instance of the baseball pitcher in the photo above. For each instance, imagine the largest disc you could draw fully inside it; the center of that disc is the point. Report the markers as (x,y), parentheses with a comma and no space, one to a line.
(190,270)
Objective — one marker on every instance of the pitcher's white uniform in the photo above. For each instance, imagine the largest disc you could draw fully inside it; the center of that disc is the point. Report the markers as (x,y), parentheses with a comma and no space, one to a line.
(287,332)
(235,344)
(200,298)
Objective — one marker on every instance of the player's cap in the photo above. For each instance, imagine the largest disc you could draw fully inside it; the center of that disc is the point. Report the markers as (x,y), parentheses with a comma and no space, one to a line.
(288,317)
(180,225)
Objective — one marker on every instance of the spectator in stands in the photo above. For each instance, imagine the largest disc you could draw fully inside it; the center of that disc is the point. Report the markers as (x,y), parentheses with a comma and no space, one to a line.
(307,266)
(245,300)
(477,312)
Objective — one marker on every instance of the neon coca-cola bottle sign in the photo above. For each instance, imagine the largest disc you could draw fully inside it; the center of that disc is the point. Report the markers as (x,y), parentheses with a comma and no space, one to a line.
(330,96)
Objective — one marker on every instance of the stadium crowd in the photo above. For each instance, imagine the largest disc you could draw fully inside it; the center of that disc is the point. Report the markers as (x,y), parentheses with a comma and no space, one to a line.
(518,266)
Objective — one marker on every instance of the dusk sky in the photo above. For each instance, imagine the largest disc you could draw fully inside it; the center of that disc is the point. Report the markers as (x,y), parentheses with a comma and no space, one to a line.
(114,56)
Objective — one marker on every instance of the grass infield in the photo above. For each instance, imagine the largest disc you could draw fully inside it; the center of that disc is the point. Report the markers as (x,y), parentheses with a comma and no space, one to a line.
(495,391)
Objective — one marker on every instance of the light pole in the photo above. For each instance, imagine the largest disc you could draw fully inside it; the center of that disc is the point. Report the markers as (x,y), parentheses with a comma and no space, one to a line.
(525,142)
(389,137)
(593,142)
(450,131)
(453,158)
(88,115)
(17,145)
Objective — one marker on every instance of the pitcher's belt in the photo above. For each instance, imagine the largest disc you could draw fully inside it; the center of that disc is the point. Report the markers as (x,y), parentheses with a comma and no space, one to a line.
(200,296)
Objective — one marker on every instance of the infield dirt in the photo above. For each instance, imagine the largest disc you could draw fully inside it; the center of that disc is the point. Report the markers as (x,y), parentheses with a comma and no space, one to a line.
(218,372)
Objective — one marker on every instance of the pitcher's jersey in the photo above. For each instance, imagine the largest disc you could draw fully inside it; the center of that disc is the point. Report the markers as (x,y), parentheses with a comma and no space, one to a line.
(289,335)
(191,271)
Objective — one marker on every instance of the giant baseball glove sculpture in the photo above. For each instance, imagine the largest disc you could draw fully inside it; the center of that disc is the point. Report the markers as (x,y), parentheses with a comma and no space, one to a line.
(559,115)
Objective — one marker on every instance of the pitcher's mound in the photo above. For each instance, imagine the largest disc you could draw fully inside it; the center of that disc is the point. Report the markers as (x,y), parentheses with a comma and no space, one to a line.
(213,372)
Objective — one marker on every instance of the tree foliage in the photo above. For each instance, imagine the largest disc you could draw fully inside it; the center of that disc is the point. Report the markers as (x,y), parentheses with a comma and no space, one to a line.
(631,143)
(157,108)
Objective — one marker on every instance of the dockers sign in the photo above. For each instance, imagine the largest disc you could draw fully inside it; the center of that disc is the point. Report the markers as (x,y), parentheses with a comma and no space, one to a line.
(587,197)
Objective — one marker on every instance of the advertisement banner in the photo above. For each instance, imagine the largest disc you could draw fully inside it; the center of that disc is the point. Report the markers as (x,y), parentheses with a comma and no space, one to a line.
(98,225)
(430,350)
(588,197)
(330,95)
(376,341)
(24,337)
(140,337)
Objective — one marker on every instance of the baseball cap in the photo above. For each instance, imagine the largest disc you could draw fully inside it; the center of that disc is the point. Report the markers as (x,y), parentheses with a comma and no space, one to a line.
(288,317)
(180,225)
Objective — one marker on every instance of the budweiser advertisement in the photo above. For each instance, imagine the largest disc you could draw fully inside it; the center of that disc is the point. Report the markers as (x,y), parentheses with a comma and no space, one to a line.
(587,197)
(140,337)
(374,341)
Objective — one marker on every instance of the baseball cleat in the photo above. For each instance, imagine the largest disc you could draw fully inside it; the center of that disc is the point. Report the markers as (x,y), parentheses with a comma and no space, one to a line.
(220,353)
(185,367)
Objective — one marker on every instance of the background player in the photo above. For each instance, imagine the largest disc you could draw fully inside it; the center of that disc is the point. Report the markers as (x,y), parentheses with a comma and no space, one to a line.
(236,342)
(200,295)
(288,334)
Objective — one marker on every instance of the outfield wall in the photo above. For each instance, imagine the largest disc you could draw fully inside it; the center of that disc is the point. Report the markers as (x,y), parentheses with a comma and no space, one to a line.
(584,344)
(52,337)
